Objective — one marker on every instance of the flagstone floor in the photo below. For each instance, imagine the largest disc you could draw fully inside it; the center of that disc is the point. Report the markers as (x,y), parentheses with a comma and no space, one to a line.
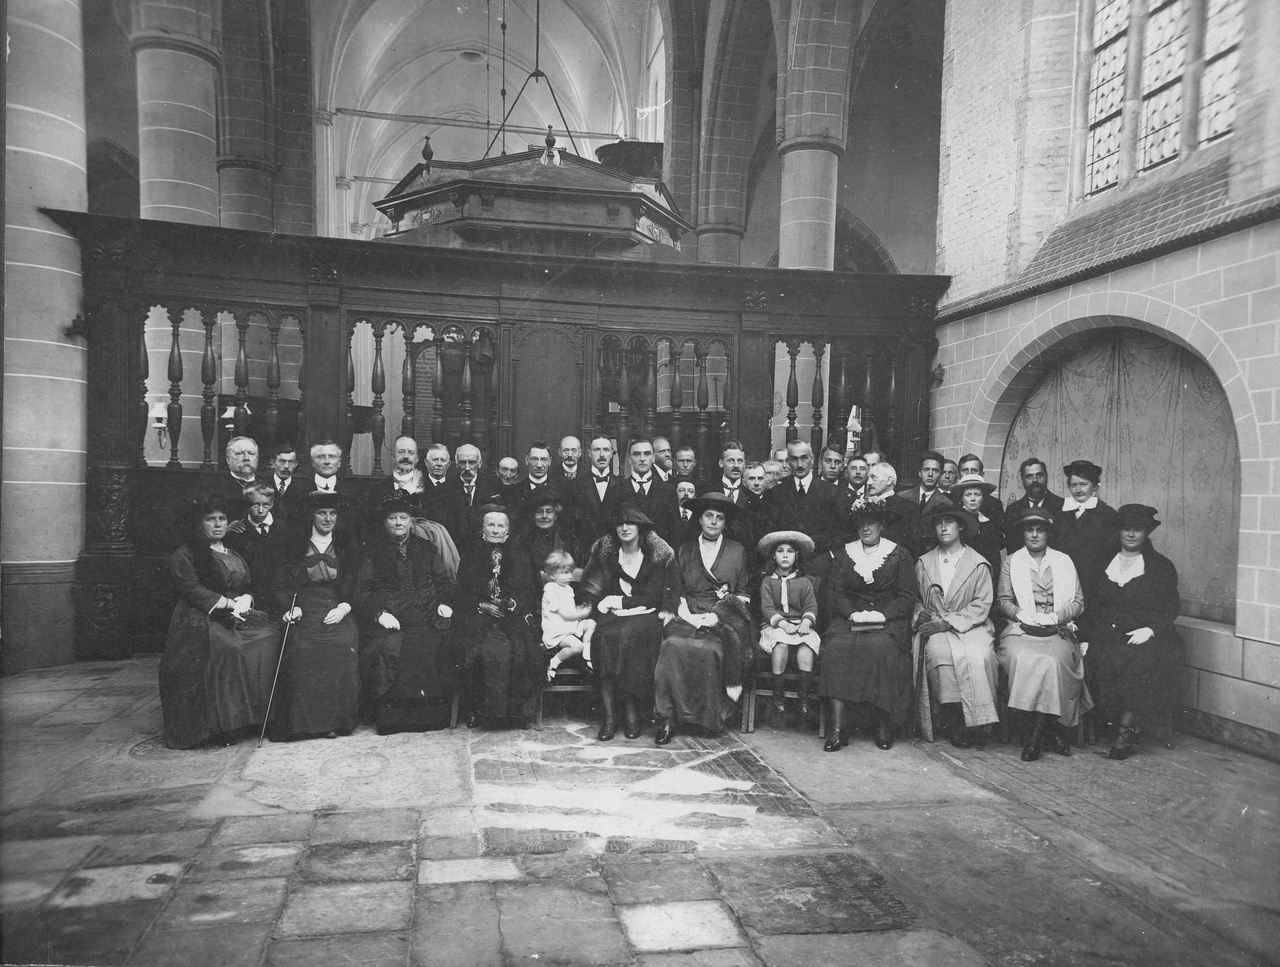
(547,847)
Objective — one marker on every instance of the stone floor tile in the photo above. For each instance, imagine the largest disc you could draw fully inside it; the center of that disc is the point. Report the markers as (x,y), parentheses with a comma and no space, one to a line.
(92,887)
(332,908)
(648,879)
(102,936)
(359,861)
(449,847)
(465,871)
(578,871)
(352,950)
(18,857)
(808,893)
(456,925)
(727,957)
(559,926)
(366,826)
(25,893)
(890,948)
(456,821)
(226,901)
(685,925)
(226,945)
(176,846)
(244,862)
(281,828)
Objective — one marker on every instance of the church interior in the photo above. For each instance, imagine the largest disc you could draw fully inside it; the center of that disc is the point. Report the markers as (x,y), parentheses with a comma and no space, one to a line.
(1044,228)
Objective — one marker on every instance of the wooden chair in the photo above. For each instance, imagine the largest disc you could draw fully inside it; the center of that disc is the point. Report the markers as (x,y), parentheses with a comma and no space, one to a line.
(572,676)
(761,682)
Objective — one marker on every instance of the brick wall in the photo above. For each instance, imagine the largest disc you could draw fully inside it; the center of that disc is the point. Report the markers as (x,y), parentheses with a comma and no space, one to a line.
(1220,300)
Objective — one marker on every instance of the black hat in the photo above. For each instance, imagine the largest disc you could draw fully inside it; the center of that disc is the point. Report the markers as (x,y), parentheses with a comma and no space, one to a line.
(1137,515)
(630,514)
(1083,468)
(968,523)
(401,501)
(1035,515)
(874,508)
(542,498)
(318,499)
(712,501)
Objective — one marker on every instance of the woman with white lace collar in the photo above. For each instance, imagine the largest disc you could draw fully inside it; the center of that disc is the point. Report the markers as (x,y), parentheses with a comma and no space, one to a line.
(1132,643)
(866,650)
(1040,595)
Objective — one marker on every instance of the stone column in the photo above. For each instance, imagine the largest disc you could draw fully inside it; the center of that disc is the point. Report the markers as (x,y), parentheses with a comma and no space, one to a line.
(247,142)
(719,244)
(176,47)
(326,222)
(246,187)
(807,215)
(45,400)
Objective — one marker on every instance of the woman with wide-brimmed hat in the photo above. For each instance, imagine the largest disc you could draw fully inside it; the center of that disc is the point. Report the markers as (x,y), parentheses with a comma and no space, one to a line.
(708,646)
(1129,624)
(221,649)
(953,626)
(969,492)
(1039,594)
(318,693)
(866,649)
(626,578)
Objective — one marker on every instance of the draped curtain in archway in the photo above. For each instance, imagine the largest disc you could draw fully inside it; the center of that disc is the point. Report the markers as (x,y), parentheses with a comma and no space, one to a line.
(1155,418)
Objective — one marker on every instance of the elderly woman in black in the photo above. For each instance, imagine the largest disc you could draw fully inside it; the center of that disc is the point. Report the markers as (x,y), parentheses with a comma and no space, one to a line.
(496,597)
(542,531)
(1130,628)
(866,649)
(627,575)
(220,653)
(319,688)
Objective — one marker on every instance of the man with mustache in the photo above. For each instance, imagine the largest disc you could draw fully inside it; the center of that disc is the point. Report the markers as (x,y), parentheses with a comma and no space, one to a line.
(1035,483)
(597,494)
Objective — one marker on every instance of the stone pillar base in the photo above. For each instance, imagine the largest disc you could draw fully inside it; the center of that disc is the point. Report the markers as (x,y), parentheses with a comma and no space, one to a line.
(807,216)
(720,246)
(39,616)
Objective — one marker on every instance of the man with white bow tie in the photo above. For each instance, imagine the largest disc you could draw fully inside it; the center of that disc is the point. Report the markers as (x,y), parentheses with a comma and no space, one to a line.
(326,460)
(645,489)
(596,494)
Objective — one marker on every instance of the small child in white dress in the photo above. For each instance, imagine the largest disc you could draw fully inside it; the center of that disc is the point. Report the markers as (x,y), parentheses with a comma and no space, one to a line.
(566,627)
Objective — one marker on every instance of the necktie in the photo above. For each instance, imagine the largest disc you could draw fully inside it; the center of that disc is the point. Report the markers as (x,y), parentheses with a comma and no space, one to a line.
(470,489)
(924,499)
(284,485)
(262,529)
(800,487)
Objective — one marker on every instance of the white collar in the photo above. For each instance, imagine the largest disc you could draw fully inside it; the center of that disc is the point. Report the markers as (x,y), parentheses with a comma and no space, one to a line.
(268,521)
(867,560)
(1122,570)
(728,485)
(326,483)
(282,483)
(1072,506)
(320,543)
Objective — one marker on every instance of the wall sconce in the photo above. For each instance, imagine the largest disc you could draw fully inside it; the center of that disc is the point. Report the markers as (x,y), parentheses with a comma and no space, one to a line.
(229,416)
(158,419)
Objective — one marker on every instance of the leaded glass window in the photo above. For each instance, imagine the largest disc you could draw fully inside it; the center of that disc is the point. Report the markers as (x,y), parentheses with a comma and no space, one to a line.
(1222,31)
(1106,93)
(1164,60)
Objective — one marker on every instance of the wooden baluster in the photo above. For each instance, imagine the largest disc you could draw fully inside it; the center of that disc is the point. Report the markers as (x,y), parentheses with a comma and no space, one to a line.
(408,389)
(173,411)
(891,414)
(349,429)
(726,431)
(624,396)
(208,376)
(465,429)
(793,392)
(870,410)
(378,384)
(677,399)
(651,392)
(242,375)
(838,430)
(703,401)
(817,393)
(271,417)
(484,417)
(437,392)
(144,372)
(302,381)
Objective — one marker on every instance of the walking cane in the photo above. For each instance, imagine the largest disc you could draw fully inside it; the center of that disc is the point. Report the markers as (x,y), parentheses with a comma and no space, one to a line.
(279,661)
(933,602)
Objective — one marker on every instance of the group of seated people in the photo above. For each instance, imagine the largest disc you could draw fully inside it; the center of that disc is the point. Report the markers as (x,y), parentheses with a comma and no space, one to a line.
(305,610)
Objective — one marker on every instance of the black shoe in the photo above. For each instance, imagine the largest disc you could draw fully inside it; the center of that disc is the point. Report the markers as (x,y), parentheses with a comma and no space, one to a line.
(835,742)
(631,729)
(961,739)
(221,740)
(664,734)
(1124,745)
(607,731)
(884,735)
(1030,752)
(1054,741)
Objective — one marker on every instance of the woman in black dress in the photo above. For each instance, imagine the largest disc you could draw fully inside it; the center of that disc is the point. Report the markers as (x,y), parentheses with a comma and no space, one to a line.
(626,577)
(866,650)
(542,532)
(1086,530)
(220,652)
(1129,621)
(319,688)
(494,606)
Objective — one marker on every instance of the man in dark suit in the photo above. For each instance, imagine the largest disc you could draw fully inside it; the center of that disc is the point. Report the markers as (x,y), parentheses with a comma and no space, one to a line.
(917,502)
(537,481)
(471,491)
(664,464)
(289,494)
(326,460)
(405,475)
(687,527)
(242,469)
(569,467)
(854,486)
(645,489)
(260,539)
(597,493)
(686,464)
(831,465)
(991,506)
(442,498)
(1034,475)
(743,527)
(804,502)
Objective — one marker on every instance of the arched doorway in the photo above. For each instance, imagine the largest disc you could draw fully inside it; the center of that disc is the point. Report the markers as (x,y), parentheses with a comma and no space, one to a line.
(1157,420)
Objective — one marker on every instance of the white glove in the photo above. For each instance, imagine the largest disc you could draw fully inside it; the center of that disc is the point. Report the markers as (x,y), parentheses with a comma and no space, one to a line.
(241,604)
(444,611)
(337,614)
(292,615)
(388,621)
(1140,636)
(1026,617)
(610,602)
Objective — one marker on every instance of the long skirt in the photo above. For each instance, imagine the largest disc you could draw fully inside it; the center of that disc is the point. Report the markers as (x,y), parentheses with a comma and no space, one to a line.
(688,680)
(1134,678)
(867,666)
(319,689)
(963,670)
(215,679)
(408,678)
(505,671)
(1045,675)
(624,654)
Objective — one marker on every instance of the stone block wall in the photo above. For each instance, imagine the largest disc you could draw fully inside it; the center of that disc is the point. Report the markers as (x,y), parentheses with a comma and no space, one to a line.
(1221,300)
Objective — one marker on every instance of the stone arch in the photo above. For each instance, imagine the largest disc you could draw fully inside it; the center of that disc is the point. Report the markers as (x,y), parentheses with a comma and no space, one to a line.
(1011,376)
